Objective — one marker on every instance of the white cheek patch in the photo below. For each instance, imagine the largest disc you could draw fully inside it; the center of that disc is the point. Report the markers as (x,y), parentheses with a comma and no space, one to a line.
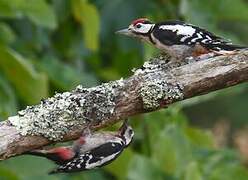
(145,28)
(179,29)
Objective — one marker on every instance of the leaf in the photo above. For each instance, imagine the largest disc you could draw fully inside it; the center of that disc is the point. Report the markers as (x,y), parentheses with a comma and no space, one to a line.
(8,104)
(29,84)
(119,167)
(29,167)
(193,172)
(229,172)
(65,77)
(143,168)
(200,137)
(171,151)
(87,15)
(232,10)
(10,8)
(40,12)
(89,175)
(6,34)
(150,132)
(222,164)
(109,74)
(61,9)
(199,13)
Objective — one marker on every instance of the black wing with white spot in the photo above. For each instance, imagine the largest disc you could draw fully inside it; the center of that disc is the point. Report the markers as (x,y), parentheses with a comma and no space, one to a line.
(97,157)
(179,33)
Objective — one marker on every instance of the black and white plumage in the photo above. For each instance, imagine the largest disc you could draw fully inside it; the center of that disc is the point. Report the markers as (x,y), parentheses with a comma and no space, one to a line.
(97,157)
(90,151)
(179,39)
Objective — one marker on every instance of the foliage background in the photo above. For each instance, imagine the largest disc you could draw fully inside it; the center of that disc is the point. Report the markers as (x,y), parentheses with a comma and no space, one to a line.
(54,45)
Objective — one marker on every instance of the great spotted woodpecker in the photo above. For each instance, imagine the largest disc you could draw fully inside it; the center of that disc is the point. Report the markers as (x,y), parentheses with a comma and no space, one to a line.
(89,151)
(179,39)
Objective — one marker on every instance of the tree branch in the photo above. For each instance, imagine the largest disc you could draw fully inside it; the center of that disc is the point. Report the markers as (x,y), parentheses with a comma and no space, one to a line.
(156,85)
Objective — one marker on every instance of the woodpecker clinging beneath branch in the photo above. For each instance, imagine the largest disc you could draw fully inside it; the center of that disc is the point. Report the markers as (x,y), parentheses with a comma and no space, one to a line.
(90,151)
(179,39)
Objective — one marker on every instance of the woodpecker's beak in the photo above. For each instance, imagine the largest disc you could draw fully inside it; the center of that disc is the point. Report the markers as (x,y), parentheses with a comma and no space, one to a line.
(123,127)
(126,32)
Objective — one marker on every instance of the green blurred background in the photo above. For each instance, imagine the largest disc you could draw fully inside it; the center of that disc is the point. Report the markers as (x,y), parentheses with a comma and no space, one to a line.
(49,46)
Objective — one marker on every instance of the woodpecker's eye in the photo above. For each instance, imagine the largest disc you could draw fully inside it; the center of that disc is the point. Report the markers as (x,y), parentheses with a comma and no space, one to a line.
(138,26)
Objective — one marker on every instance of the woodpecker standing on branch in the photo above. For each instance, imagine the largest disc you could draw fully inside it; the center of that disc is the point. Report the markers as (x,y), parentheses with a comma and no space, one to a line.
(179,39)
(90,151)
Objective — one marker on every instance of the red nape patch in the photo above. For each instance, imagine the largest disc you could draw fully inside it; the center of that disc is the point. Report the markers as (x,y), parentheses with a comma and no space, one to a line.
(64,153)
(141,20)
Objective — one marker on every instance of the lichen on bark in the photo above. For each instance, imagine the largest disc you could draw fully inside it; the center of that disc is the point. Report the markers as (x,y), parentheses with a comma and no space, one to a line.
(55,116)
(156,88)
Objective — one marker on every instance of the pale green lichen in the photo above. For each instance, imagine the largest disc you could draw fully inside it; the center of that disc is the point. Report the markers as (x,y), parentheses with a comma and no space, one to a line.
(54,117)
(156,89)
(154,92)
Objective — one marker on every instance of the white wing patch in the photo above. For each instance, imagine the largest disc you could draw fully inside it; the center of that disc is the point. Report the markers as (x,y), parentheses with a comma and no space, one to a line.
(100,162)
(179,29)
(208,37)
(184,38)
(199,36)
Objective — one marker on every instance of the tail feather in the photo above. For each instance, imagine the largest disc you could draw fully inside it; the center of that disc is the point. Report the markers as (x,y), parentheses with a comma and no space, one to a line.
(39,153)
(51,156)
(223,48)
(233,47)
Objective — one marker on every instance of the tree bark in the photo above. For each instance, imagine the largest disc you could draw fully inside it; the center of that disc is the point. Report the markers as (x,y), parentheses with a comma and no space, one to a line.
(156,85)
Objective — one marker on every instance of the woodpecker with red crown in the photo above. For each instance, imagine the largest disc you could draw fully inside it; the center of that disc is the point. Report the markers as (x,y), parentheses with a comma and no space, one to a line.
(90,151)
(179,39)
